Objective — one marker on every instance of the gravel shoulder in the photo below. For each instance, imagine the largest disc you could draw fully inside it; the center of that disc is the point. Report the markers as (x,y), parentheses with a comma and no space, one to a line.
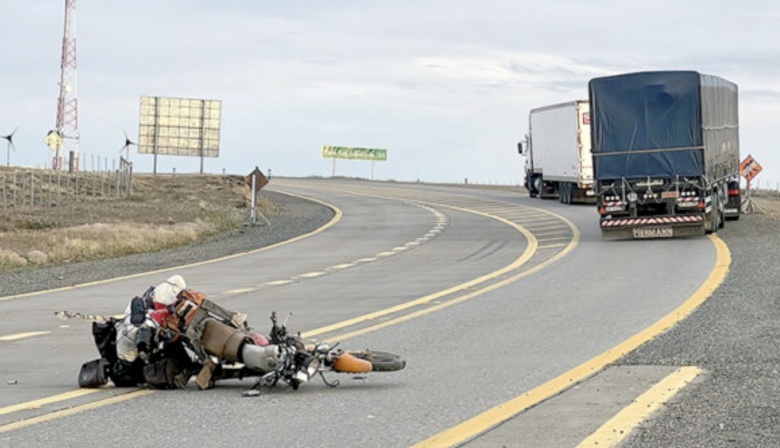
(294,217)
(735,337)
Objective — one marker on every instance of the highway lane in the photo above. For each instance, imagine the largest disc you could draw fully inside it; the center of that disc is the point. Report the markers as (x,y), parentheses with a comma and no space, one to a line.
(541,317)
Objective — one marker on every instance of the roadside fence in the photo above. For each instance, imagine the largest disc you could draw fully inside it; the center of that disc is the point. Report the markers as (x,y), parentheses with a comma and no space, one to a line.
(31,188)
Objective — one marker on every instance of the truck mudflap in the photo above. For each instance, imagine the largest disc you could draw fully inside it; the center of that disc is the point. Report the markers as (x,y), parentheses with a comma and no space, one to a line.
(653,227)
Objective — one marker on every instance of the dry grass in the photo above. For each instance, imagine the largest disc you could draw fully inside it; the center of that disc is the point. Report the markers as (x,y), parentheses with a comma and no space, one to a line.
(768,205)
(162,212)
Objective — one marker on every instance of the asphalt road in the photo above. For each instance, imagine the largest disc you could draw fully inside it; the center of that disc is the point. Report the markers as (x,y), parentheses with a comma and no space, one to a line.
(504,299)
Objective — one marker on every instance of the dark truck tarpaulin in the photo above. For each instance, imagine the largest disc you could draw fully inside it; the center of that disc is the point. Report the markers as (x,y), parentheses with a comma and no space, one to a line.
(663,124)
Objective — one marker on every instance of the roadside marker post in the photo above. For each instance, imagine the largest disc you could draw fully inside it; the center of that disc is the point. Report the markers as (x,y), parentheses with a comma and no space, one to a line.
(256,181)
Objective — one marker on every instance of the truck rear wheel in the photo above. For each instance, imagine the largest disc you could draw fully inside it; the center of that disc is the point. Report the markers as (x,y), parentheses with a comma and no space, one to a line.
(715,217)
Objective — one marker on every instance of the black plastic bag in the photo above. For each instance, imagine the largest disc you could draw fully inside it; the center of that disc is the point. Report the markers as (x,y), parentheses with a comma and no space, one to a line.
(94,373)
(105,340)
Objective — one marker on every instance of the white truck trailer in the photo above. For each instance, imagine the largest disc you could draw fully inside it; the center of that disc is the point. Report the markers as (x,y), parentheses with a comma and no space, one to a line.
(558,161)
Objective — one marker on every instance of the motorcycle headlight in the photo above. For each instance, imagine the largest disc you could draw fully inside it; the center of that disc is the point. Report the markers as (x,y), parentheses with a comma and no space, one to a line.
(307,368)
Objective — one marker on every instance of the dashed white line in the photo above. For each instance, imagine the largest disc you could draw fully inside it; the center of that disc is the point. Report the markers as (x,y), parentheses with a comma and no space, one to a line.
(342,266)
(278,282)
(240,290)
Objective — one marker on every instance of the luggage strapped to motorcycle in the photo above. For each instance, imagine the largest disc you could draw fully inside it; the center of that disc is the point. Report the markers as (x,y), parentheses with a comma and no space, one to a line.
(187,306)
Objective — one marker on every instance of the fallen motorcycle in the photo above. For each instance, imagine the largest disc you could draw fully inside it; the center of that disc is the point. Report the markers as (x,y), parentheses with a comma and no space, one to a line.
(165,347)
(302,360)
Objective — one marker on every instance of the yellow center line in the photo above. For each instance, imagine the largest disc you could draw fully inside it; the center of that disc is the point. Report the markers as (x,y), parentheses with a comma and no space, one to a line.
(524,257)
(17,336)
(492,417)
(73,410)
(441,306)
(527,254)
(624,422)
(44,401)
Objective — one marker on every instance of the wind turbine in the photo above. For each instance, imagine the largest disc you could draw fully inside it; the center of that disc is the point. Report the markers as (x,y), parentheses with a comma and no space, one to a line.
(10,138)
(126,147)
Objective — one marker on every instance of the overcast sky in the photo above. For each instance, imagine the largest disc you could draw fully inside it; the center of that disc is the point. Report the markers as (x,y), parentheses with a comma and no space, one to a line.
(444,86)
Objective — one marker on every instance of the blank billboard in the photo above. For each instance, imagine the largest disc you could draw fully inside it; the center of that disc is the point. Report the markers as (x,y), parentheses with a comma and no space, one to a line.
(179,126)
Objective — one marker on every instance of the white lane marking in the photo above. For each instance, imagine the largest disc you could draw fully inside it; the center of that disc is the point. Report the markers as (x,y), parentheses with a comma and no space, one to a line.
(342,266)
(441,221)
(278,282)
(240,290)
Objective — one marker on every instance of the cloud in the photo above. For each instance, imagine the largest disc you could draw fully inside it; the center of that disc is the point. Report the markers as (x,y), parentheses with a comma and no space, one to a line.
(768,96)
(445,86)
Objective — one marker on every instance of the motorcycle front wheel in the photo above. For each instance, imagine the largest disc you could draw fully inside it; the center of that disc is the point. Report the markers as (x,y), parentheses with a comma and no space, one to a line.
(380,361)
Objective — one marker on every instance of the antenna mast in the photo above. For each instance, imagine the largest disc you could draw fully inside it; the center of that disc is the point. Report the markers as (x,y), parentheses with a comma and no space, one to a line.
(67,104)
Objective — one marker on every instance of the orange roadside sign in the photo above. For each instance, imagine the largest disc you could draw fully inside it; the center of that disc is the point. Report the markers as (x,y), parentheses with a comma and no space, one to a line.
(749,168)
(261,181)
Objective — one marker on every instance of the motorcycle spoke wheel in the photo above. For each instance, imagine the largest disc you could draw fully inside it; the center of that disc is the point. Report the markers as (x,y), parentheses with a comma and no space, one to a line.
(381,361)
(347,363)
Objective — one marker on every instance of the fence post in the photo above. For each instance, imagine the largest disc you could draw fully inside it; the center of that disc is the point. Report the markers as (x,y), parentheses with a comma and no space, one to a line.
(32,189)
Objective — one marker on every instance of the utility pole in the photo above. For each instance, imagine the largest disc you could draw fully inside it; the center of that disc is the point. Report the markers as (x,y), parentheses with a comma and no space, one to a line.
(67,104)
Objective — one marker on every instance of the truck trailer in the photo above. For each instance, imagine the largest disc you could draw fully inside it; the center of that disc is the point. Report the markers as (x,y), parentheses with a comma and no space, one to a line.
(665,150)
(558,162)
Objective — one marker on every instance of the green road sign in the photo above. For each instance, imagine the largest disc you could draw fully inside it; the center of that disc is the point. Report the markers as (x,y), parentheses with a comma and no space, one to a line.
(343,152)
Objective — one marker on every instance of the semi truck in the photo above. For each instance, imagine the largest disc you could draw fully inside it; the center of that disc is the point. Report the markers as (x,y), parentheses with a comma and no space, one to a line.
(558,162)
(665,150)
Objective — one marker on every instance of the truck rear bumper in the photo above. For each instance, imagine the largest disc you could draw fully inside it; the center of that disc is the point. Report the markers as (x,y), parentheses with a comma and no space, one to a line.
(653,227)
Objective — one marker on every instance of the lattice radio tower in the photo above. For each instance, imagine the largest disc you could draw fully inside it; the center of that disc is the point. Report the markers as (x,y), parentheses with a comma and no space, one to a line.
(67,104)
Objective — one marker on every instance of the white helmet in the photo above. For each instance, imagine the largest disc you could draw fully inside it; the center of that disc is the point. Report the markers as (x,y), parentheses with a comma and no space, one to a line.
(165,293)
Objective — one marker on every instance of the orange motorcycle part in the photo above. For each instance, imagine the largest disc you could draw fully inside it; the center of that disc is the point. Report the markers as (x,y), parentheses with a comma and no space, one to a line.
(347,363)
